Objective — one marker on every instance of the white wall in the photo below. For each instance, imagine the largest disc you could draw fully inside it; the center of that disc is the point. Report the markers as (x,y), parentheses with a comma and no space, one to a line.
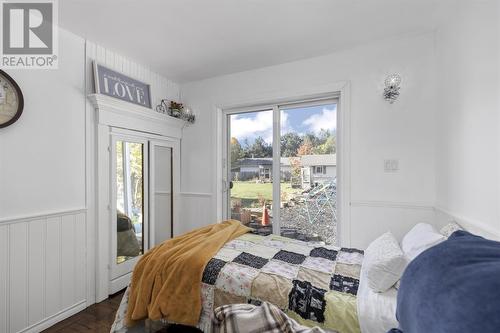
(468,168)
(404,130)
(42,155)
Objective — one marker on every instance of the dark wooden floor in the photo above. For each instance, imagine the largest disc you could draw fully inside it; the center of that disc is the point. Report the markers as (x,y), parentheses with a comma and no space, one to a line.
(99,318)
(96,318)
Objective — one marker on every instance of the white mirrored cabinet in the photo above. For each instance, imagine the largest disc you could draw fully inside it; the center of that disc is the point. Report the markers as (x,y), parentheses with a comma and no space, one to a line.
(138,173)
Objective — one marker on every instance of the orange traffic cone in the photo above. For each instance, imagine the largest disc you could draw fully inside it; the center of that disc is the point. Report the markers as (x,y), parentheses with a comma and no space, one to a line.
(265,216)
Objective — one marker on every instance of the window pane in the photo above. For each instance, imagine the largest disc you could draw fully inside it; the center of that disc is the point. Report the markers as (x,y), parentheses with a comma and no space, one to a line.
(308,173)
(251,169)
(129,200)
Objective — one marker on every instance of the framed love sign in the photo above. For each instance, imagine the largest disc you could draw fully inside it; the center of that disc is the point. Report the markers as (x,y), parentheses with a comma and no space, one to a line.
(112,83)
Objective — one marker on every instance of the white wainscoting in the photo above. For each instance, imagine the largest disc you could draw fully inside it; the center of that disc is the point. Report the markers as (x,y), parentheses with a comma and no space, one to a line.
(370,219)
(197,210)
(42,270)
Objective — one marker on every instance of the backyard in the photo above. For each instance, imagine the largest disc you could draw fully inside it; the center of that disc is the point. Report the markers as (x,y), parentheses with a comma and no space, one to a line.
(307,215)
(253,191)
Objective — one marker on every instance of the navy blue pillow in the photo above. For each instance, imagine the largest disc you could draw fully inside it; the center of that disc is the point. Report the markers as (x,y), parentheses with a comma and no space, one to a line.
(452,287)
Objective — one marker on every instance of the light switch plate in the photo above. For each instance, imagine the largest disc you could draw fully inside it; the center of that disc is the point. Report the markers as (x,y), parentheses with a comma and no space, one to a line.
(391,165)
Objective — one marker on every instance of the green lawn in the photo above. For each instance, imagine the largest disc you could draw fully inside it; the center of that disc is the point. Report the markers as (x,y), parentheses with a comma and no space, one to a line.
(251,190)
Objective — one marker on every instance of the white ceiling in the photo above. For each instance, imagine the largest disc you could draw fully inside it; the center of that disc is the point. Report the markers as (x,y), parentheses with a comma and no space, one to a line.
(187,40)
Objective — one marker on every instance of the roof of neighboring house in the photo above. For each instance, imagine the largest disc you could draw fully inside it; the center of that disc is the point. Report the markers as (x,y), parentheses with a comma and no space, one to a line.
(285,161)
(262,161)
(312,160)
(255,161)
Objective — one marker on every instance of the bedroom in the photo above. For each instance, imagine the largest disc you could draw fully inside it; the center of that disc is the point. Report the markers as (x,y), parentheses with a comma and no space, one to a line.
(243,70)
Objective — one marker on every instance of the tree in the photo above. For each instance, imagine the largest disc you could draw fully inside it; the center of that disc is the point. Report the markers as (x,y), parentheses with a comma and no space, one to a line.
(306,148)
(329,146)
(260,148)
(236,151)
(296,167)
(290,143)
(245,148)
(312,139)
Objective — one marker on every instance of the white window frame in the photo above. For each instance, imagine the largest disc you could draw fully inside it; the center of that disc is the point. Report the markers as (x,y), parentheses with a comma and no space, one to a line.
(338,96)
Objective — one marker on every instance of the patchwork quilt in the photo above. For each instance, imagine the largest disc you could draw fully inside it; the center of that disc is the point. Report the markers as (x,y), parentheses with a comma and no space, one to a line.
(315,285)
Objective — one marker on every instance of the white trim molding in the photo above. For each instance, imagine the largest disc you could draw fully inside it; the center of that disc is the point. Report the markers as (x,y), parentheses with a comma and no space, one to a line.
(52,320)
(393,204)
(117,113)
(42,215)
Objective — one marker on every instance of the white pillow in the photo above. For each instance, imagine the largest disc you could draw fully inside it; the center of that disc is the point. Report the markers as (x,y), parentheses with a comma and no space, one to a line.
(420,238)
(384,263)
(450,228)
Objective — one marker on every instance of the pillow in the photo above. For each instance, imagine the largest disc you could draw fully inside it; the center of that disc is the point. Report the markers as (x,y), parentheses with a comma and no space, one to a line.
(450,228)
(421,237)
(384,263)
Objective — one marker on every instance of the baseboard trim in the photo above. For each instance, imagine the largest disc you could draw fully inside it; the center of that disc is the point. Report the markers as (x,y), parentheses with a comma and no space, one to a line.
(119,283)
(471,225)
(392,204)
(54,319)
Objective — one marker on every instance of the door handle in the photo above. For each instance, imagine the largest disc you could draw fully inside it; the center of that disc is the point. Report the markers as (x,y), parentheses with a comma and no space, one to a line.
(230,185)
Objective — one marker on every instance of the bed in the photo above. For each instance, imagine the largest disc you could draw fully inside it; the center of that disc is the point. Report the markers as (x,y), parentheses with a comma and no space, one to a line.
(314,284)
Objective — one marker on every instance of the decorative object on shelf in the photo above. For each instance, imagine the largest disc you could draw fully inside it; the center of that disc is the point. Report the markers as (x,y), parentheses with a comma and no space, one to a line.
(11,100)
(162,107)
(188,115)
(176,110)
(111,83)
(391,91)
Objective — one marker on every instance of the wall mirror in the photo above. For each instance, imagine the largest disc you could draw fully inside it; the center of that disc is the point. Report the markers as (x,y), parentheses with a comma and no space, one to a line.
(129,200)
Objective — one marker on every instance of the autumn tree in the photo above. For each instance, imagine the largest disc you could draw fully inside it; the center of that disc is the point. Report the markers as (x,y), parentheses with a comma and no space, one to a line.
(236,151)
(306,148)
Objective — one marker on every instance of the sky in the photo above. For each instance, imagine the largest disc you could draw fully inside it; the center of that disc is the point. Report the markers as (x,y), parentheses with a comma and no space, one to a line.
(299,120)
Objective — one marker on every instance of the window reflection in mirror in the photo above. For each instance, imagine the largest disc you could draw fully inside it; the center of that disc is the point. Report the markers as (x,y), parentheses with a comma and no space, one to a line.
(129,200)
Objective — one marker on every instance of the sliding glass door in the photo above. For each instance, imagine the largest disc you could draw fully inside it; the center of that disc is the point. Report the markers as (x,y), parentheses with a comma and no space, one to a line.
(282,169)
(250,169)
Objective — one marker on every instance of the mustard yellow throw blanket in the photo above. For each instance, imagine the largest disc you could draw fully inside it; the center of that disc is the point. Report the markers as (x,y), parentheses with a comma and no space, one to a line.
(167,279)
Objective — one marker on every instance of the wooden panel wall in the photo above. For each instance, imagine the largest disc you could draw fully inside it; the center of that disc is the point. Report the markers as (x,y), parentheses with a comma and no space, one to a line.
(42,270)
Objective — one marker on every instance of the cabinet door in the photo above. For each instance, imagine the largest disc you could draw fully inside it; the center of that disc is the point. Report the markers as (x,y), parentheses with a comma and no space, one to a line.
(161,191)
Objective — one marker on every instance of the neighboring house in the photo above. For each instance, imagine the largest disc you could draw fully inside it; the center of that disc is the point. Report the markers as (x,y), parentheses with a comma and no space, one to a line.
(253,168)
(315,169)
(260,168)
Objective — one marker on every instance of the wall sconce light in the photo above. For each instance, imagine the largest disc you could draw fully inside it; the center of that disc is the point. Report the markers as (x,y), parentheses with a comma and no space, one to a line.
(391,91)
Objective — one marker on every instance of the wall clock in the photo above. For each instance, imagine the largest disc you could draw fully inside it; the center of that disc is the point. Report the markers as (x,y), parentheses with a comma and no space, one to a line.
(11,100)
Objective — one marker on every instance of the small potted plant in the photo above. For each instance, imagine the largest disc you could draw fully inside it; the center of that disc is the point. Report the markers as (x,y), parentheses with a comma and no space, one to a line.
(175,109)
